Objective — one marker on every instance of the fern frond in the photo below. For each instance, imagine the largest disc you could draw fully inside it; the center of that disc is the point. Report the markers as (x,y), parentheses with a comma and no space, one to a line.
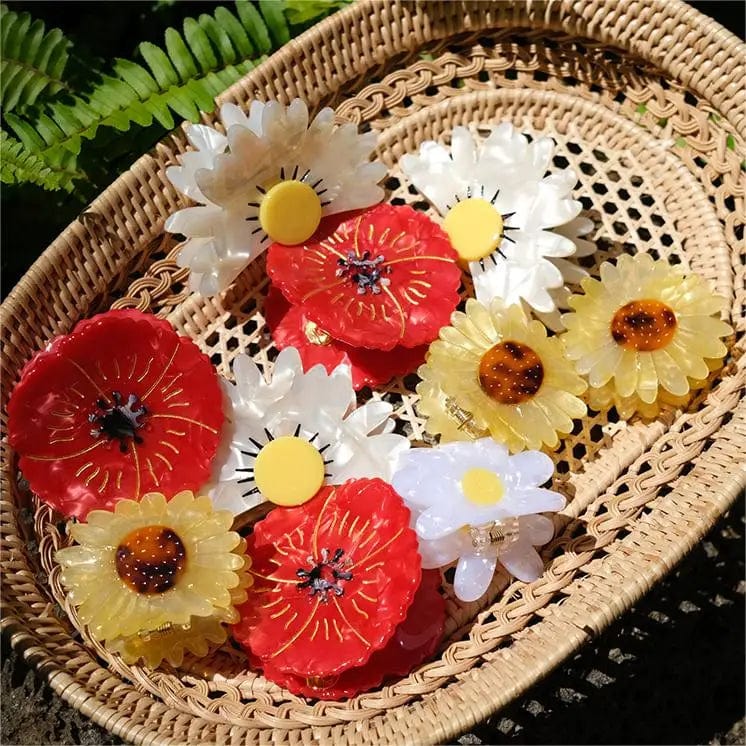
(33,60)
(300,12)
(210,54)
(18,166)
(274,15)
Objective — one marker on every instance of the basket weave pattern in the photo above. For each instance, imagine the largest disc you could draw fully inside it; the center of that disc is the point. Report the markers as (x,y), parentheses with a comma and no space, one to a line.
(647,104)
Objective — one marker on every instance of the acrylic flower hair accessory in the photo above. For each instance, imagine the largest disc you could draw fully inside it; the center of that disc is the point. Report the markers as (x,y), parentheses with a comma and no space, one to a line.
(644,334)
(384,278)
(476,504)
(333,579)
(291,434)
(121,406)
(414,640)
(498,207)
(291,327)
(495,372)
(156,578)
(272,177)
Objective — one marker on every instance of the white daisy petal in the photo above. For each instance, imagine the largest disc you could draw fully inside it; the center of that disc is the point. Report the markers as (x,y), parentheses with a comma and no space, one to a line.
(473,576)
(232,175)
(207,139)
(463,490)
(509,172)
(440,552)
(436,523)
(314,407)
(531,468)
(522,561)
(537,529)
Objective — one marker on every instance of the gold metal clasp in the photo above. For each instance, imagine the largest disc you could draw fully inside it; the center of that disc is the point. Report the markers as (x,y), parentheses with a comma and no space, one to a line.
(464,419)
(500,534)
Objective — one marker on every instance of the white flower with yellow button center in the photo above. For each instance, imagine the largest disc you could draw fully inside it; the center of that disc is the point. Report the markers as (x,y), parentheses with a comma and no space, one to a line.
(271,178)
(289,435)
(476,504)
(498,207)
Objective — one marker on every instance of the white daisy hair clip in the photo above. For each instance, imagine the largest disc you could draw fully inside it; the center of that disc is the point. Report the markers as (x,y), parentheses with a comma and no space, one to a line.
(270,178)
(474,503)
(288,436)
(499,208)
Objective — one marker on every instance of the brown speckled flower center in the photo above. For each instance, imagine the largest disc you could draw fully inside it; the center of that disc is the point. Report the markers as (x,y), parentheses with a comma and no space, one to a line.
(643,325)
(150,560)
(510,373)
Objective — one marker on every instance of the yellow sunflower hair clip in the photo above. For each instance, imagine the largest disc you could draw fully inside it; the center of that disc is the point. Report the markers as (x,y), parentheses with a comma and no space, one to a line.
(155,578)
(494,371)
(646,334)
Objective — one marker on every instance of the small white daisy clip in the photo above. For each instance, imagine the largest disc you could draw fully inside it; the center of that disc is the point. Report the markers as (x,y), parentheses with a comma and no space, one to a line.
(498,206)
(271,178)
(476,504)
(287,437)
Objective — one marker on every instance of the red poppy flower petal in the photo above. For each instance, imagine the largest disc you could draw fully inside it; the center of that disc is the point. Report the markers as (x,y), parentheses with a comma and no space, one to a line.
(378,279)
(288,323)
(78,377)
(414,640)
(333,579)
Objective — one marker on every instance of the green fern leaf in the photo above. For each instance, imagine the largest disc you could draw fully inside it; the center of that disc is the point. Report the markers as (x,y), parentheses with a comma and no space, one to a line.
(19,166)
(300,12)
(33,60)
(211,53)
(252,21)
(274,14)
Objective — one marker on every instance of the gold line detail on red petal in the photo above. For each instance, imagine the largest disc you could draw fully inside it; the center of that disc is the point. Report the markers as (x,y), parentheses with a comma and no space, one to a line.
(137,470)
(323,289)
(402,316)
(315,535)
(185,419)
(379,549)
(298,633)
(353,629)
(85,373)
(69,456)
(158,380)
(417,258)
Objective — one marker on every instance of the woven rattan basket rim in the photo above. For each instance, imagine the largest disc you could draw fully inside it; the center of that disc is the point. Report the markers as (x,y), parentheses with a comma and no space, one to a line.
(701,55)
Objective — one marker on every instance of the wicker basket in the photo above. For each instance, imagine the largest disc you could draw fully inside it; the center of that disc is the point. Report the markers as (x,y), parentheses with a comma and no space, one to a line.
(646,100)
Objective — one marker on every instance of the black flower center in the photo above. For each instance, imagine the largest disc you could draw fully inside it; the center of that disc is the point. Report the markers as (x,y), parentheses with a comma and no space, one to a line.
(151,559)
(366,273)
(325,577)
(120,420)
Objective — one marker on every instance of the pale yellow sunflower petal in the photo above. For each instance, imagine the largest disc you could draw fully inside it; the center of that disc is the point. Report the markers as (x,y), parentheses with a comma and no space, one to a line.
(213,562)
(647,378)
(670,374)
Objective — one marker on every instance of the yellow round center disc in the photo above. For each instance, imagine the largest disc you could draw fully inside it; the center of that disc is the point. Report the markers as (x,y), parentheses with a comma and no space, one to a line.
(290,212)
(482,487)
(475,228)
(289,471)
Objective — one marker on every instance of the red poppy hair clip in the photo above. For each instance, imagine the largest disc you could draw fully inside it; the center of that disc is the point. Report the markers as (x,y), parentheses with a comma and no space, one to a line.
(120,407)
(384,281)
(334,580)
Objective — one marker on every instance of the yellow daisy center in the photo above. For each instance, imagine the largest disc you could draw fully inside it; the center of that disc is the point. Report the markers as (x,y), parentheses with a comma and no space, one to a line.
(510,373)
(290,212)
(289,471)
(643,325)
(475,228)
(482,487)
(150,559)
